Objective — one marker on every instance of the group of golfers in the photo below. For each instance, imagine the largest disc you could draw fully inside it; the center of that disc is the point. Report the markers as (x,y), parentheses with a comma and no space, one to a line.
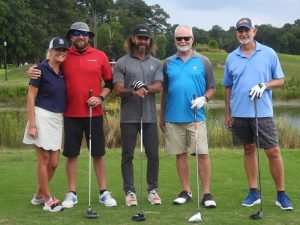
(58,98)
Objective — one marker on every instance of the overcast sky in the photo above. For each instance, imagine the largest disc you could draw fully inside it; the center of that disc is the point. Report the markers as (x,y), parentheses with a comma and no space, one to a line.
(206,13)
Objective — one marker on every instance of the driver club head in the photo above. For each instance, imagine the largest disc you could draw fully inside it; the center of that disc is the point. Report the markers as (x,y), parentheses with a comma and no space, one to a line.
(257,215)
(195,218)
(91,214)
(139,217)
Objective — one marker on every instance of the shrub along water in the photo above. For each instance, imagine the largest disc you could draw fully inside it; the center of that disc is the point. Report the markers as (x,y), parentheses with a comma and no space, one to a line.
(12,129)
(13,125)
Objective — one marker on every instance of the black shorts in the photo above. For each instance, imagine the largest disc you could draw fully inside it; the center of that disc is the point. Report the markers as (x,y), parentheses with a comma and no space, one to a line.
(73,134)
(244,132)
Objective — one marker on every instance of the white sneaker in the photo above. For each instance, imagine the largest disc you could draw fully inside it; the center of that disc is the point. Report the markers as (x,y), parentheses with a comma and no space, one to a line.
(52,205)
(107,200)
(37,201)
(130,199)
(153,197)
(183,197)
(70,200)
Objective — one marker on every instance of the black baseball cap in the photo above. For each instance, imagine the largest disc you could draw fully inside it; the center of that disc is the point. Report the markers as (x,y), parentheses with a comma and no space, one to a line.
(142,30)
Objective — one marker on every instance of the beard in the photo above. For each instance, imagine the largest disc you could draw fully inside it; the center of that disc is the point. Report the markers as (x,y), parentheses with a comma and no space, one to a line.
(80,45)
(246,41)
(184,48)
(141,48)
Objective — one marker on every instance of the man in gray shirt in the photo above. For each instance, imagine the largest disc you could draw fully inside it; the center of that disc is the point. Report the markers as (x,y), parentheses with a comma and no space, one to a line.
(137,77)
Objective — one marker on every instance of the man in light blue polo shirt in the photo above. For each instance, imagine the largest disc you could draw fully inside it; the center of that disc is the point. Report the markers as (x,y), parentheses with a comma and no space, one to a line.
(251,72)
(188,85)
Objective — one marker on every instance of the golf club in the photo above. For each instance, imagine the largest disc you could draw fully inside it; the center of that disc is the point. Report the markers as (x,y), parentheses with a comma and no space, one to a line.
(259,214)
(197,217)
(140,216)
(90,213)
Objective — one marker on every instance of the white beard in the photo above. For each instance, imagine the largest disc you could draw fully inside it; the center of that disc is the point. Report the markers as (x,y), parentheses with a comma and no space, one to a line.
(245,41)
(185,48)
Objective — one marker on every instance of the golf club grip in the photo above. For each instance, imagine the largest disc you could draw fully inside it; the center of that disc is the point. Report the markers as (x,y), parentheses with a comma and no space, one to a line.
(90,93)
(195,119)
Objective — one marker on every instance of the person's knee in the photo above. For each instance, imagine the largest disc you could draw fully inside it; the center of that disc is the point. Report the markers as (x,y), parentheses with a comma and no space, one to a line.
(273,153)
(53,164)
(249,149)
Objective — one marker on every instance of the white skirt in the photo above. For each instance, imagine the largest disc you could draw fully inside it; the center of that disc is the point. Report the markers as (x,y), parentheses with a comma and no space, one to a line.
(49,127)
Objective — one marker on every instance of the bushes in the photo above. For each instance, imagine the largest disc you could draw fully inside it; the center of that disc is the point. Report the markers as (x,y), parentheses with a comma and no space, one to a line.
(13,95)
(13,125)
(12,129)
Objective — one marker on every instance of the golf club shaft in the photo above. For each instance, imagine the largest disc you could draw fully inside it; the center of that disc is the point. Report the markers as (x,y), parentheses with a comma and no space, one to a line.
(257,152)
(141,153)
(90,145)
(196,151)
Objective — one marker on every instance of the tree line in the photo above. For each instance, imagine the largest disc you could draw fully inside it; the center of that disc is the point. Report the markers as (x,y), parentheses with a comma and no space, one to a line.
(27,26)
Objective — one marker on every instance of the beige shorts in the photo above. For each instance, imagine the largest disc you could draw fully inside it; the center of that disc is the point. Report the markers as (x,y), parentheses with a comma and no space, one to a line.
(181,138)
(49,127)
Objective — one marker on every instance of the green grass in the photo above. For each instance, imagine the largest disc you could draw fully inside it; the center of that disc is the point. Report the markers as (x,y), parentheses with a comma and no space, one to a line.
(229,187)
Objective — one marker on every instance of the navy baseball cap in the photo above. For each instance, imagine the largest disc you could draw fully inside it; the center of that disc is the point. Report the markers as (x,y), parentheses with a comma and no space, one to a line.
(58,42)
(244,22)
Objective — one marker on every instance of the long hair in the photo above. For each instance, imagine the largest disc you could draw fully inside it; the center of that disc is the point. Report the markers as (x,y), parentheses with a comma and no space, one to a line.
(129,45)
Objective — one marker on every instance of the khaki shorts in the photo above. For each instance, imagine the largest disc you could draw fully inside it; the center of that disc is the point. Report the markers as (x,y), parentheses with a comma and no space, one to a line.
(180,138)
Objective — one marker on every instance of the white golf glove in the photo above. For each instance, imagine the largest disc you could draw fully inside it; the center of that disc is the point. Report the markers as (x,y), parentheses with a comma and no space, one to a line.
(136,85)
(198,102)
(257,91)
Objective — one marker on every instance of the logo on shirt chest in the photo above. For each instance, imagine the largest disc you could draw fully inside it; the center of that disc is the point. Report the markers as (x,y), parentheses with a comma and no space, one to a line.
(195,68)
(91,60)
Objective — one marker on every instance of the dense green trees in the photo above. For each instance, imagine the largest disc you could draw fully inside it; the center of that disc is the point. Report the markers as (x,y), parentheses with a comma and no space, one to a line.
(28,25)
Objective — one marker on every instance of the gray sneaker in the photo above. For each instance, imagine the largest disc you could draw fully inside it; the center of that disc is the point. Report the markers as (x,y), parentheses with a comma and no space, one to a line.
(130,199)
(37,201)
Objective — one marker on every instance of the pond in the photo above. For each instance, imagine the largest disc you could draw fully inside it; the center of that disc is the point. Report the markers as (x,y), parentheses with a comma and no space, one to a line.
(288,113)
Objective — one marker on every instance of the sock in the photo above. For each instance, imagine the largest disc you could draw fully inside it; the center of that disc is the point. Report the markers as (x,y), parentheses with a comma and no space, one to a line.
(280,192)
(74,192)
(102,191)
(254,190)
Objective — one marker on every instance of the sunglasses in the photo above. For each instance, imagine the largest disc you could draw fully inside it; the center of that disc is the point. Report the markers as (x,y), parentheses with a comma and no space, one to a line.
(77,33)
(184,38)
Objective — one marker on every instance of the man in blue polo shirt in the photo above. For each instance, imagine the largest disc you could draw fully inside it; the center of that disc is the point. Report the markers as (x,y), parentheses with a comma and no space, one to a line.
(251,72)
(187,74)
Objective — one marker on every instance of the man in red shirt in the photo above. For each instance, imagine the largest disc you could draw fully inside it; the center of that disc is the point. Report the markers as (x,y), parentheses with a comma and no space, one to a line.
(84,69)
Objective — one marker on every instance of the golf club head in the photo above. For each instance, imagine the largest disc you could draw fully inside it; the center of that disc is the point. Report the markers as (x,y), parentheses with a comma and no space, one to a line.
(195,218)
(91,214)
(139,217)
(257,215)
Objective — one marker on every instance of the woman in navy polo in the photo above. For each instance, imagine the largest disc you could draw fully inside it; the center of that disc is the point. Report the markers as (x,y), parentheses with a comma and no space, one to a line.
(46,101)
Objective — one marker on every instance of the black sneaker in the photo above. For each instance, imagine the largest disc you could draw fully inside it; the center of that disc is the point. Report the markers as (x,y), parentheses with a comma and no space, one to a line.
(208,201)
(183,197)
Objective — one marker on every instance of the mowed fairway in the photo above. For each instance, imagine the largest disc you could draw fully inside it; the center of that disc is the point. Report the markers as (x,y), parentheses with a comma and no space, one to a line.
(228,186)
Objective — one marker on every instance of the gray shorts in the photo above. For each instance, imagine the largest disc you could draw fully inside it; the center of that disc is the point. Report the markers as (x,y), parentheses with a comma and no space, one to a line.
(181,138)
(244,132)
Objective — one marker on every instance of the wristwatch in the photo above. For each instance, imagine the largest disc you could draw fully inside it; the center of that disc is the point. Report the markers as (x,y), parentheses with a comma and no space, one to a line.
(101,98)
(206,98)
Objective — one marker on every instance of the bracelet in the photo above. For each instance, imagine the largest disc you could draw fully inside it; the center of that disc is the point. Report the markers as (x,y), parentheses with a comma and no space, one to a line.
(32,127)
(101,98)
(206,98)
